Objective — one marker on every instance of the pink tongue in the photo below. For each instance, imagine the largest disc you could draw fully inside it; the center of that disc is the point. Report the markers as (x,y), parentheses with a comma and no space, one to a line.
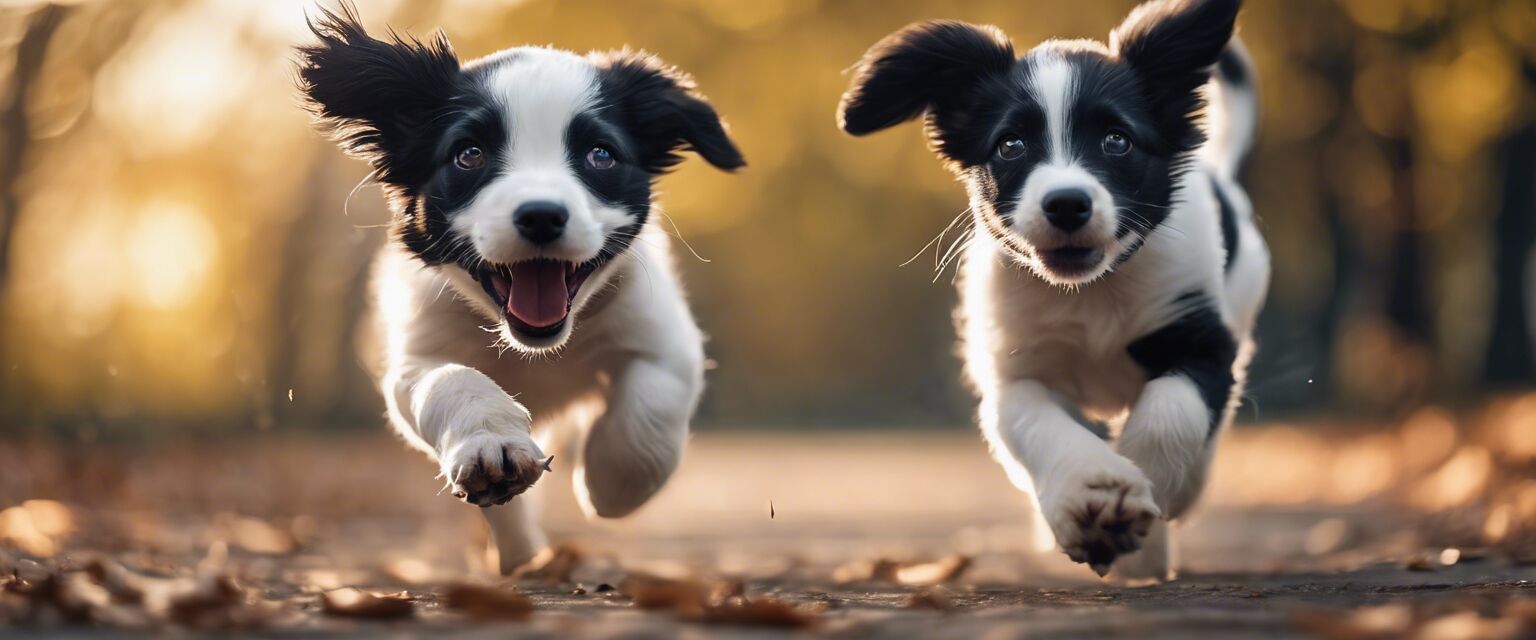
(538,292)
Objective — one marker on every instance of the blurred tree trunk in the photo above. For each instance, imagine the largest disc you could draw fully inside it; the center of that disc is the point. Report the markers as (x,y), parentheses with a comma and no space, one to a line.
(1407,303)
(1333,62)
(31,51)
(295,268)
(1509,357)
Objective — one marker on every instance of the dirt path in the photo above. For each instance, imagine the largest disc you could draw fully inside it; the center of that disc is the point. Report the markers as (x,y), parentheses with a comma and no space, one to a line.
(1287,545)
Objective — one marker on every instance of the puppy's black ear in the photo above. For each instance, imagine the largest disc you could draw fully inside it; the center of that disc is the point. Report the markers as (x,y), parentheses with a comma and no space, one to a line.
(1172,45)
(919,67)
(378,98)
(667,115)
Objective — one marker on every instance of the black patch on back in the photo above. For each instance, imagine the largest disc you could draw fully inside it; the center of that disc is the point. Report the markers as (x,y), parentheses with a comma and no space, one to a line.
(1228,224)
(1196,345)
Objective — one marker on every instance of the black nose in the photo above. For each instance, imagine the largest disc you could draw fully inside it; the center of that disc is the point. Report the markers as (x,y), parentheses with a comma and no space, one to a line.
(540,221)
(1068,209)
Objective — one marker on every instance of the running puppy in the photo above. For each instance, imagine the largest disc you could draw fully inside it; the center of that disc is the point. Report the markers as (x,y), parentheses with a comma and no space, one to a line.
(1115,271)
(520,185)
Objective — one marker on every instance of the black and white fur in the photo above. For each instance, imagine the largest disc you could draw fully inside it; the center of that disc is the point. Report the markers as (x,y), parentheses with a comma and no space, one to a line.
(1115,270)
(520,185)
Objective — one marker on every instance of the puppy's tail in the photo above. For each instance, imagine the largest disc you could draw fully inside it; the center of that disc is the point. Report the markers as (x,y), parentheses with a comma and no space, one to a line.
(1233,114)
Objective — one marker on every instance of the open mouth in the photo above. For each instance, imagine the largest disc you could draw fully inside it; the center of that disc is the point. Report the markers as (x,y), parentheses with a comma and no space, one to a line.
(535,295)
(1071,261)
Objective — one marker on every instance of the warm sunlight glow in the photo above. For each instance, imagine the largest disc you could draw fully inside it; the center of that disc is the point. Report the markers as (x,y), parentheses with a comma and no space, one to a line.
(177,81)
(171,249)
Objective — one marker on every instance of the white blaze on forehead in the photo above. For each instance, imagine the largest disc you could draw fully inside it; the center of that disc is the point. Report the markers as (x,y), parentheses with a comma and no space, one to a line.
(541,90)
(1052,84)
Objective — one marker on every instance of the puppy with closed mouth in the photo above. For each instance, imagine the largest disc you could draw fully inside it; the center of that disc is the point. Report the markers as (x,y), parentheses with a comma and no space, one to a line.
(1115,270)
(525,283)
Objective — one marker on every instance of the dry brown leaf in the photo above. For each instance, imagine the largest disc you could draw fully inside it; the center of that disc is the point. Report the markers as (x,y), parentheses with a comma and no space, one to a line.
(487,603)
(759,612)
(686,597)
(1422,562)
(931,573)
(211,602)
(933,598)
(1468,625)
(36,526)
(553,564)
(911,574)
(1389,621)
(410,570)
(254,535)
(877,570)
(355,603)
(718,603)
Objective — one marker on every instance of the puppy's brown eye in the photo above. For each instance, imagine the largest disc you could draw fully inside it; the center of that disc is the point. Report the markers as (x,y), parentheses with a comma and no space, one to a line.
(601,158)
(1116,144)
(469,158)
(1010,148)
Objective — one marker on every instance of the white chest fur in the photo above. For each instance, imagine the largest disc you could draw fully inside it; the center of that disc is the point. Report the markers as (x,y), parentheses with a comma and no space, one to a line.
(1073,341)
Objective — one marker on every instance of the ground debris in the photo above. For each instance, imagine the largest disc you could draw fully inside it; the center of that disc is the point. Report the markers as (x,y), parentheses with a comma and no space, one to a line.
(723,602)
(355,603)
(105,593)
(553,564)
(911,573)
(1468,617)
(932,598)
(481,602)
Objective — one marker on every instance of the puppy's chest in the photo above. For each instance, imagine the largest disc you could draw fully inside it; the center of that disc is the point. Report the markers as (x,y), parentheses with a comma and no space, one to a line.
(1077,344)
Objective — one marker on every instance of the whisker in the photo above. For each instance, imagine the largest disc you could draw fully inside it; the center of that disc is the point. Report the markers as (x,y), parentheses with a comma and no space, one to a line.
(937,238)
(678,233)
(346,205)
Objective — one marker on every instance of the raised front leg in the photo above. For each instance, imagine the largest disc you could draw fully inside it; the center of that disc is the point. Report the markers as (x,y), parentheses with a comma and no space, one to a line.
(1097,503)
(1171,429)
(1170,433)
(637,443)
(478,434)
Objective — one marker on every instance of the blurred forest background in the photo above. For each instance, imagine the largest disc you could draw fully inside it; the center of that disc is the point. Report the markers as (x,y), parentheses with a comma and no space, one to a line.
(179,253)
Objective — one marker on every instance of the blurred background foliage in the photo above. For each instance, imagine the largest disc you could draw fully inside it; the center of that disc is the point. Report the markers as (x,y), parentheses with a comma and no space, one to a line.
(181,253)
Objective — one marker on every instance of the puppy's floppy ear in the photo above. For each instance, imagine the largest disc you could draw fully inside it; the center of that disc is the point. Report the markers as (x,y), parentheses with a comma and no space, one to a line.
(661,107)
(919,67)
(1172,45)
(378,98)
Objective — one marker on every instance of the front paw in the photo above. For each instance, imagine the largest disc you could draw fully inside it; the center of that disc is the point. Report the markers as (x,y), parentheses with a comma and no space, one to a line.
(488,469)
(1099,514)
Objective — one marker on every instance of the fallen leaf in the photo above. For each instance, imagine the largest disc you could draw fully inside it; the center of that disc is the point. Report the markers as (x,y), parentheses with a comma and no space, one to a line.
(931,573)
(481,602)
(1387,621)
(718,603)
(932,598)
(686,597)
(36,526)
(355,603)
(254,535)
(759,612)
(911,574)
(207,603)
(410,570)
(1422,562)
(553,564)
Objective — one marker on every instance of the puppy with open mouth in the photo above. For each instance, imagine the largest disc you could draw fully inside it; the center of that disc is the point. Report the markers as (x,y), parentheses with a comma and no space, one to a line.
(525,283)
(1115,270)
